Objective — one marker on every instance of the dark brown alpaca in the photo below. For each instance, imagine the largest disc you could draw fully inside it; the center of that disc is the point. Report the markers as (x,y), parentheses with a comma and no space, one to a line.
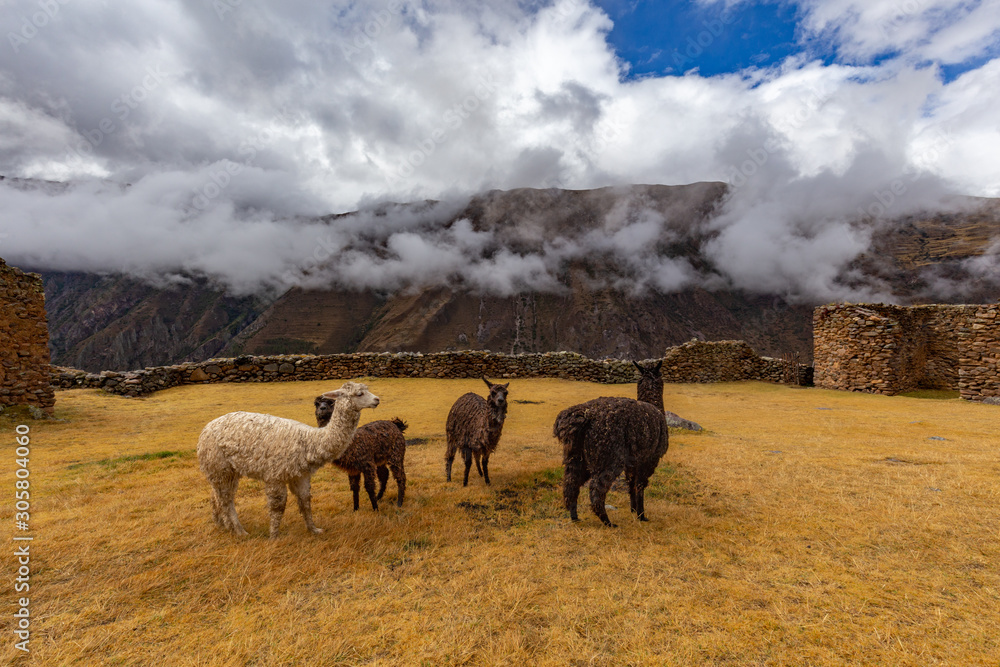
(376,448)
(608,435)
(474,426)
(650,388)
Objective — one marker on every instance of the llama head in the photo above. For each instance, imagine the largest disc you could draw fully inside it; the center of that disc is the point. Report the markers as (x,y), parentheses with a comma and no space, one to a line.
(356,393)
(651,370)
(324,410)
(650,387)
(498,396)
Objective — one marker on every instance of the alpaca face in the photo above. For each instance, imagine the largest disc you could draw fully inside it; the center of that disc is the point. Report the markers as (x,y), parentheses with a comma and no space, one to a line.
(356,393)
(324,410)
(363,398)
(498,397)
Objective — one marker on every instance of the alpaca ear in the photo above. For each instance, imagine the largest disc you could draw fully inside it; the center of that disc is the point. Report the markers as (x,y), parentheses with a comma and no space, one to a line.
(488,383)
(505,386)
(334,395)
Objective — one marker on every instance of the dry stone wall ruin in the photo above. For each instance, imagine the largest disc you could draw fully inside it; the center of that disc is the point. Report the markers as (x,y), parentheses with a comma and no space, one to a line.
(886,349)
(24,341)
(696,361)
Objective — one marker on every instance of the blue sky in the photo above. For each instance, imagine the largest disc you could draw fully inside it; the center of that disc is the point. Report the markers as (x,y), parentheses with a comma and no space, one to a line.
(673,37)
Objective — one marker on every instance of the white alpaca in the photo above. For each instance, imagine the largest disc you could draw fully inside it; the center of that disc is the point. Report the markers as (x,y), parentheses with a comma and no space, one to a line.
(280,452)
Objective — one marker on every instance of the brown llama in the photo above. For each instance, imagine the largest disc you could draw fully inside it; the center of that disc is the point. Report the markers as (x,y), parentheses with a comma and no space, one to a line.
(474,427)
(650,390)
(376,448)
(650,387)
(608,435)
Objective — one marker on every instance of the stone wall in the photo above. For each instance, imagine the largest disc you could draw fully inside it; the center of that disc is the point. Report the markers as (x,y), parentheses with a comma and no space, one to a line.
(691,362)
(979,353)
(887,349)
(725,361)
(24,341)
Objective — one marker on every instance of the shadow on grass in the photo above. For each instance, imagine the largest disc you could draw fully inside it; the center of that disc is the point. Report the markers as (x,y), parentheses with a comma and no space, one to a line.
(532,497)
(935,394)
(538,495)
(111,464)
(674,483)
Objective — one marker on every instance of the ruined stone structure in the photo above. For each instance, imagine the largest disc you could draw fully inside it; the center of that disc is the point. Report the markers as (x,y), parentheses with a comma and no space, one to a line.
(692,362)
(24,341)
(886,349)
(726,361)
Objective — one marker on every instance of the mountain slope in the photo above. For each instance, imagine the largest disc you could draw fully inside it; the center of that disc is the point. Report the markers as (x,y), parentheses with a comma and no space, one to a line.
(602,307)
(116,322)
(597,323)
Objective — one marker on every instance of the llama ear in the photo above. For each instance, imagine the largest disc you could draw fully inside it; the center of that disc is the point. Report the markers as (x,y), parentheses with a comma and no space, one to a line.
(636,364)
(659,365)
(334,395)
(505,386)
(488,383)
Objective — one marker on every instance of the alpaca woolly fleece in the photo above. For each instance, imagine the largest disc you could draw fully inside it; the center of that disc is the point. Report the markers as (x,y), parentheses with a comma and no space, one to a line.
(376,448)
(280,452)
(608,435)
(474,426)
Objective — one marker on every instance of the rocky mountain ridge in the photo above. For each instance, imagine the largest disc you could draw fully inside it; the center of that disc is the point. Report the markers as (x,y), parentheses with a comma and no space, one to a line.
(117,322)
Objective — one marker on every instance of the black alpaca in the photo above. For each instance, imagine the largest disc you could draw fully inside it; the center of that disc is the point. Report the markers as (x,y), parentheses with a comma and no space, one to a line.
(608,435)
(650,387)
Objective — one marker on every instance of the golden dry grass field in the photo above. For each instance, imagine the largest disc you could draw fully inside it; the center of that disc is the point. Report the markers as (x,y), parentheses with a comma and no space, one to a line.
(804,527)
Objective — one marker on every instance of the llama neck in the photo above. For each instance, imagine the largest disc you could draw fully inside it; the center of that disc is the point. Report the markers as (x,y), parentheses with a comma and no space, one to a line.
(497,417)
(652,393)
(337,435)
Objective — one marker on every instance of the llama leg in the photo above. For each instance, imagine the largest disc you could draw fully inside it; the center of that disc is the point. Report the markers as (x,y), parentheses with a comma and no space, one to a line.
(486,468)
(355,488)
(630,479)
(600,484)
(641,504)
(277,495)
(574,475)
(227,503)
(220,493)
(399,474)
(640,497)
(383,480)
(479,469)
(467,455)
(449,458)
(217,510)
(369,473)
(301,488)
